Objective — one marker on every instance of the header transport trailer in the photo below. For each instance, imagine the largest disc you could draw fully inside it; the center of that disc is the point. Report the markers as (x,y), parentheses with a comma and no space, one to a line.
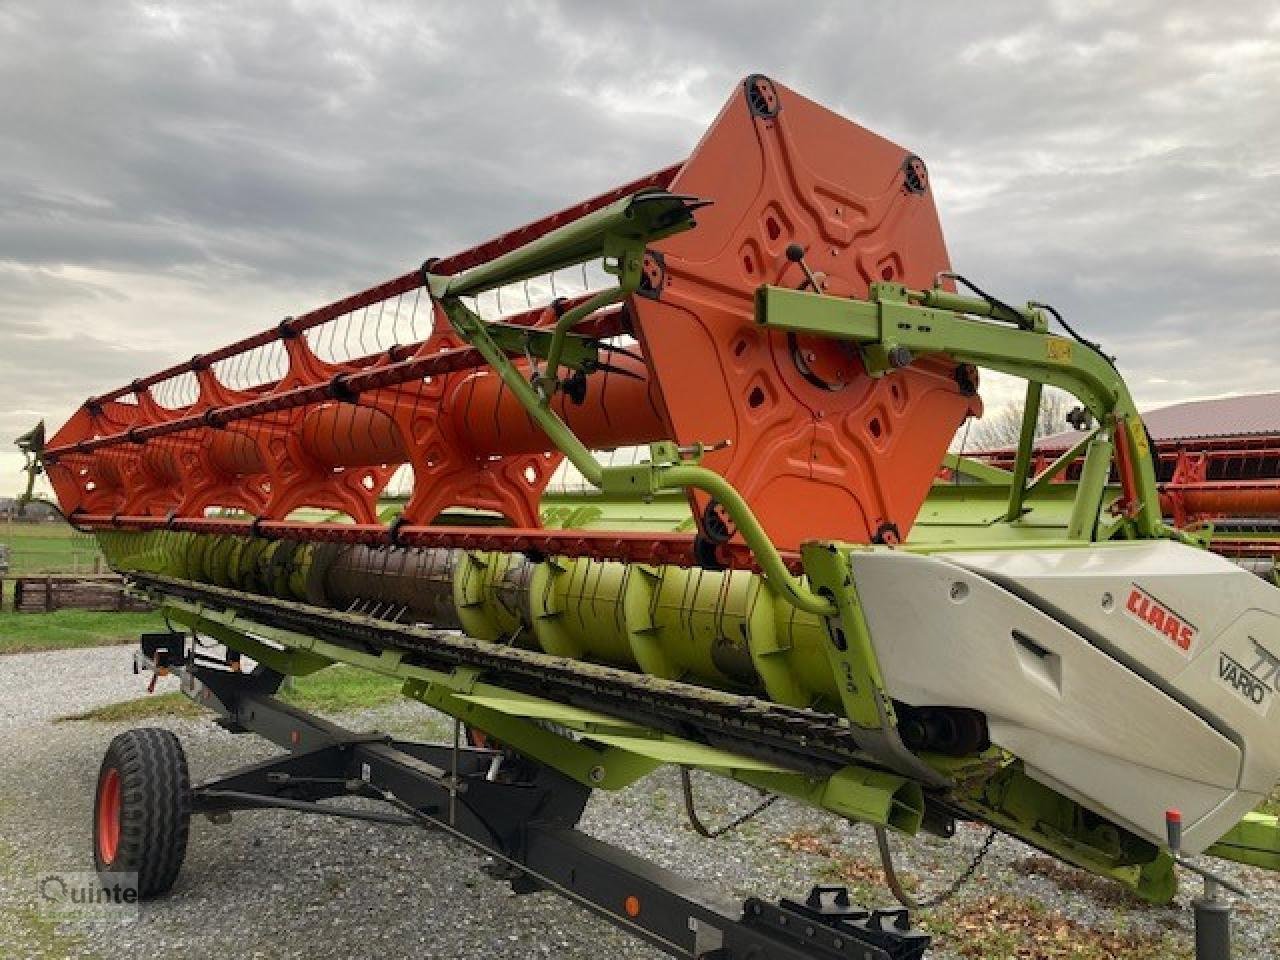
(777,591)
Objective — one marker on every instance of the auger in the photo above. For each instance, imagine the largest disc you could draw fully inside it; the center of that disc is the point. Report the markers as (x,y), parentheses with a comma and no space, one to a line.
(795,584)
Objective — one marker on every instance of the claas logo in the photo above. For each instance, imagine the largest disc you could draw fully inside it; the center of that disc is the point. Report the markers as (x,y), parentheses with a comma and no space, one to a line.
(1159,618)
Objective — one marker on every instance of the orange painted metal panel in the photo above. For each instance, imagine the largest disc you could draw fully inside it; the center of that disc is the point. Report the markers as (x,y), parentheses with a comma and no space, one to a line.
(818,448)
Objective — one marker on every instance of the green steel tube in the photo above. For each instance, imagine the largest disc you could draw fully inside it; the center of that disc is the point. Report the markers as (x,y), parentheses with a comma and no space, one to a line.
(710,482)
(570,320)
(946,300)
(1026,443)
(1149,519)
(1090,489)
(565,246)
(640,218)
(858,794)
(1064,461)
(471,327)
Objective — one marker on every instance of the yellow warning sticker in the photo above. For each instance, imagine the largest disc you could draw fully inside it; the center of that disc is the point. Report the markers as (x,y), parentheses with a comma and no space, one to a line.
(1058,349)
(1139,438)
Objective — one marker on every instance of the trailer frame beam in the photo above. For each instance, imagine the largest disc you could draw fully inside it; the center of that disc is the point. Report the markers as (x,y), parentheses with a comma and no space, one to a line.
(526,824)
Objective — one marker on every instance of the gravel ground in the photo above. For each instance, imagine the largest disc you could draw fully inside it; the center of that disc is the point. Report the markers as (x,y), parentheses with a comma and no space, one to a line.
(274,885)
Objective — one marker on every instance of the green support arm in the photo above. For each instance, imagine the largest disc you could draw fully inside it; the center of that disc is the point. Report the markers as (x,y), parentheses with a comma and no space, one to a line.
(896,318)
(618,233)
(1026,442)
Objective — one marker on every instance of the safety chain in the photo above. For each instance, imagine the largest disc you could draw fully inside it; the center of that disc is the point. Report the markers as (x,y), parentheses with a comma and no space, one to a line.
(908,901)
(700,828)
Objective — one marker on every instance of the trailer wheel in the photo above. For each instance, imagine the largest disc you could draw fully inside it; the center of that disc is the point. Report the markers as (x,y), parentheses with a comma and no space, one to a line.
(142,809)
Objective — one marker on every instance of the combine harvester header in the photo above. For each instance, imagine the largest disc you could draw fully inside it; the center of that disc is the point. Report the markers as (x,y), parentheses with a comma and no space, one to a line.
(780,593)
(792,415)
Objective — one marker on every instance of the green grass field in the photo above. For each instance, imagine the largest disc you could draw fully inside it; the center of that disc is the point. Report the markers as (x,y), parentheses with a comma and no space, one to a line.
(69,629)
(332,690)
(49,548)
(56,548)
(1272,804)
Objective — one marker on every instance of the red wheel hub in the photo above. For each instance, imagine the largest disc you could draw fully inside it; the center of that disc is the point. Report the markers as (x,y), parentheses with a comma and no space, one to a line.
(109,816)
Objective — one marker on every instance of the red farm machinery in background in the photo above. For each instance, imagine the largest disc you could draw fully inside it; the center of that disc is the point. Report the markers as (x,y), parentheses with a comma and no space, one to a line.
(1218,468)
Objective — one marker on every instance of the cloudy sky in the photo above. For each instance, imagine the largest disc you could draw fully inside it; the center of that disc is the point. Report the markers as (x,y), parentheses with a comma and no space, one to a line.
(173,176)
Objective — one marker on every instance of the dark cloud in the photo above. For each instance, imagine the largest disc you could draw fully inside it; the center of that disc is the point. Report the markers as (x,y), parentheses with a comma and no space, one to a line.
(172,176)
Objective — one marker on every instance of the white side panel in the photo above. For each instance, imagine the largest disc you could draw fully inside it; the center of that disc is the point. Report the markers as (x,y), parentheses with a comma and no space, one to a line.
(1080,720)
(1196,624)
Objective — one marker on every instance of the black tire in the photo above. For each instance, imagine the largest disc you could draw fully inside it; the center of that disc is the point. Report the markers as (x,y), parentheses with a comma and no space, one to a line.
(142,809)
